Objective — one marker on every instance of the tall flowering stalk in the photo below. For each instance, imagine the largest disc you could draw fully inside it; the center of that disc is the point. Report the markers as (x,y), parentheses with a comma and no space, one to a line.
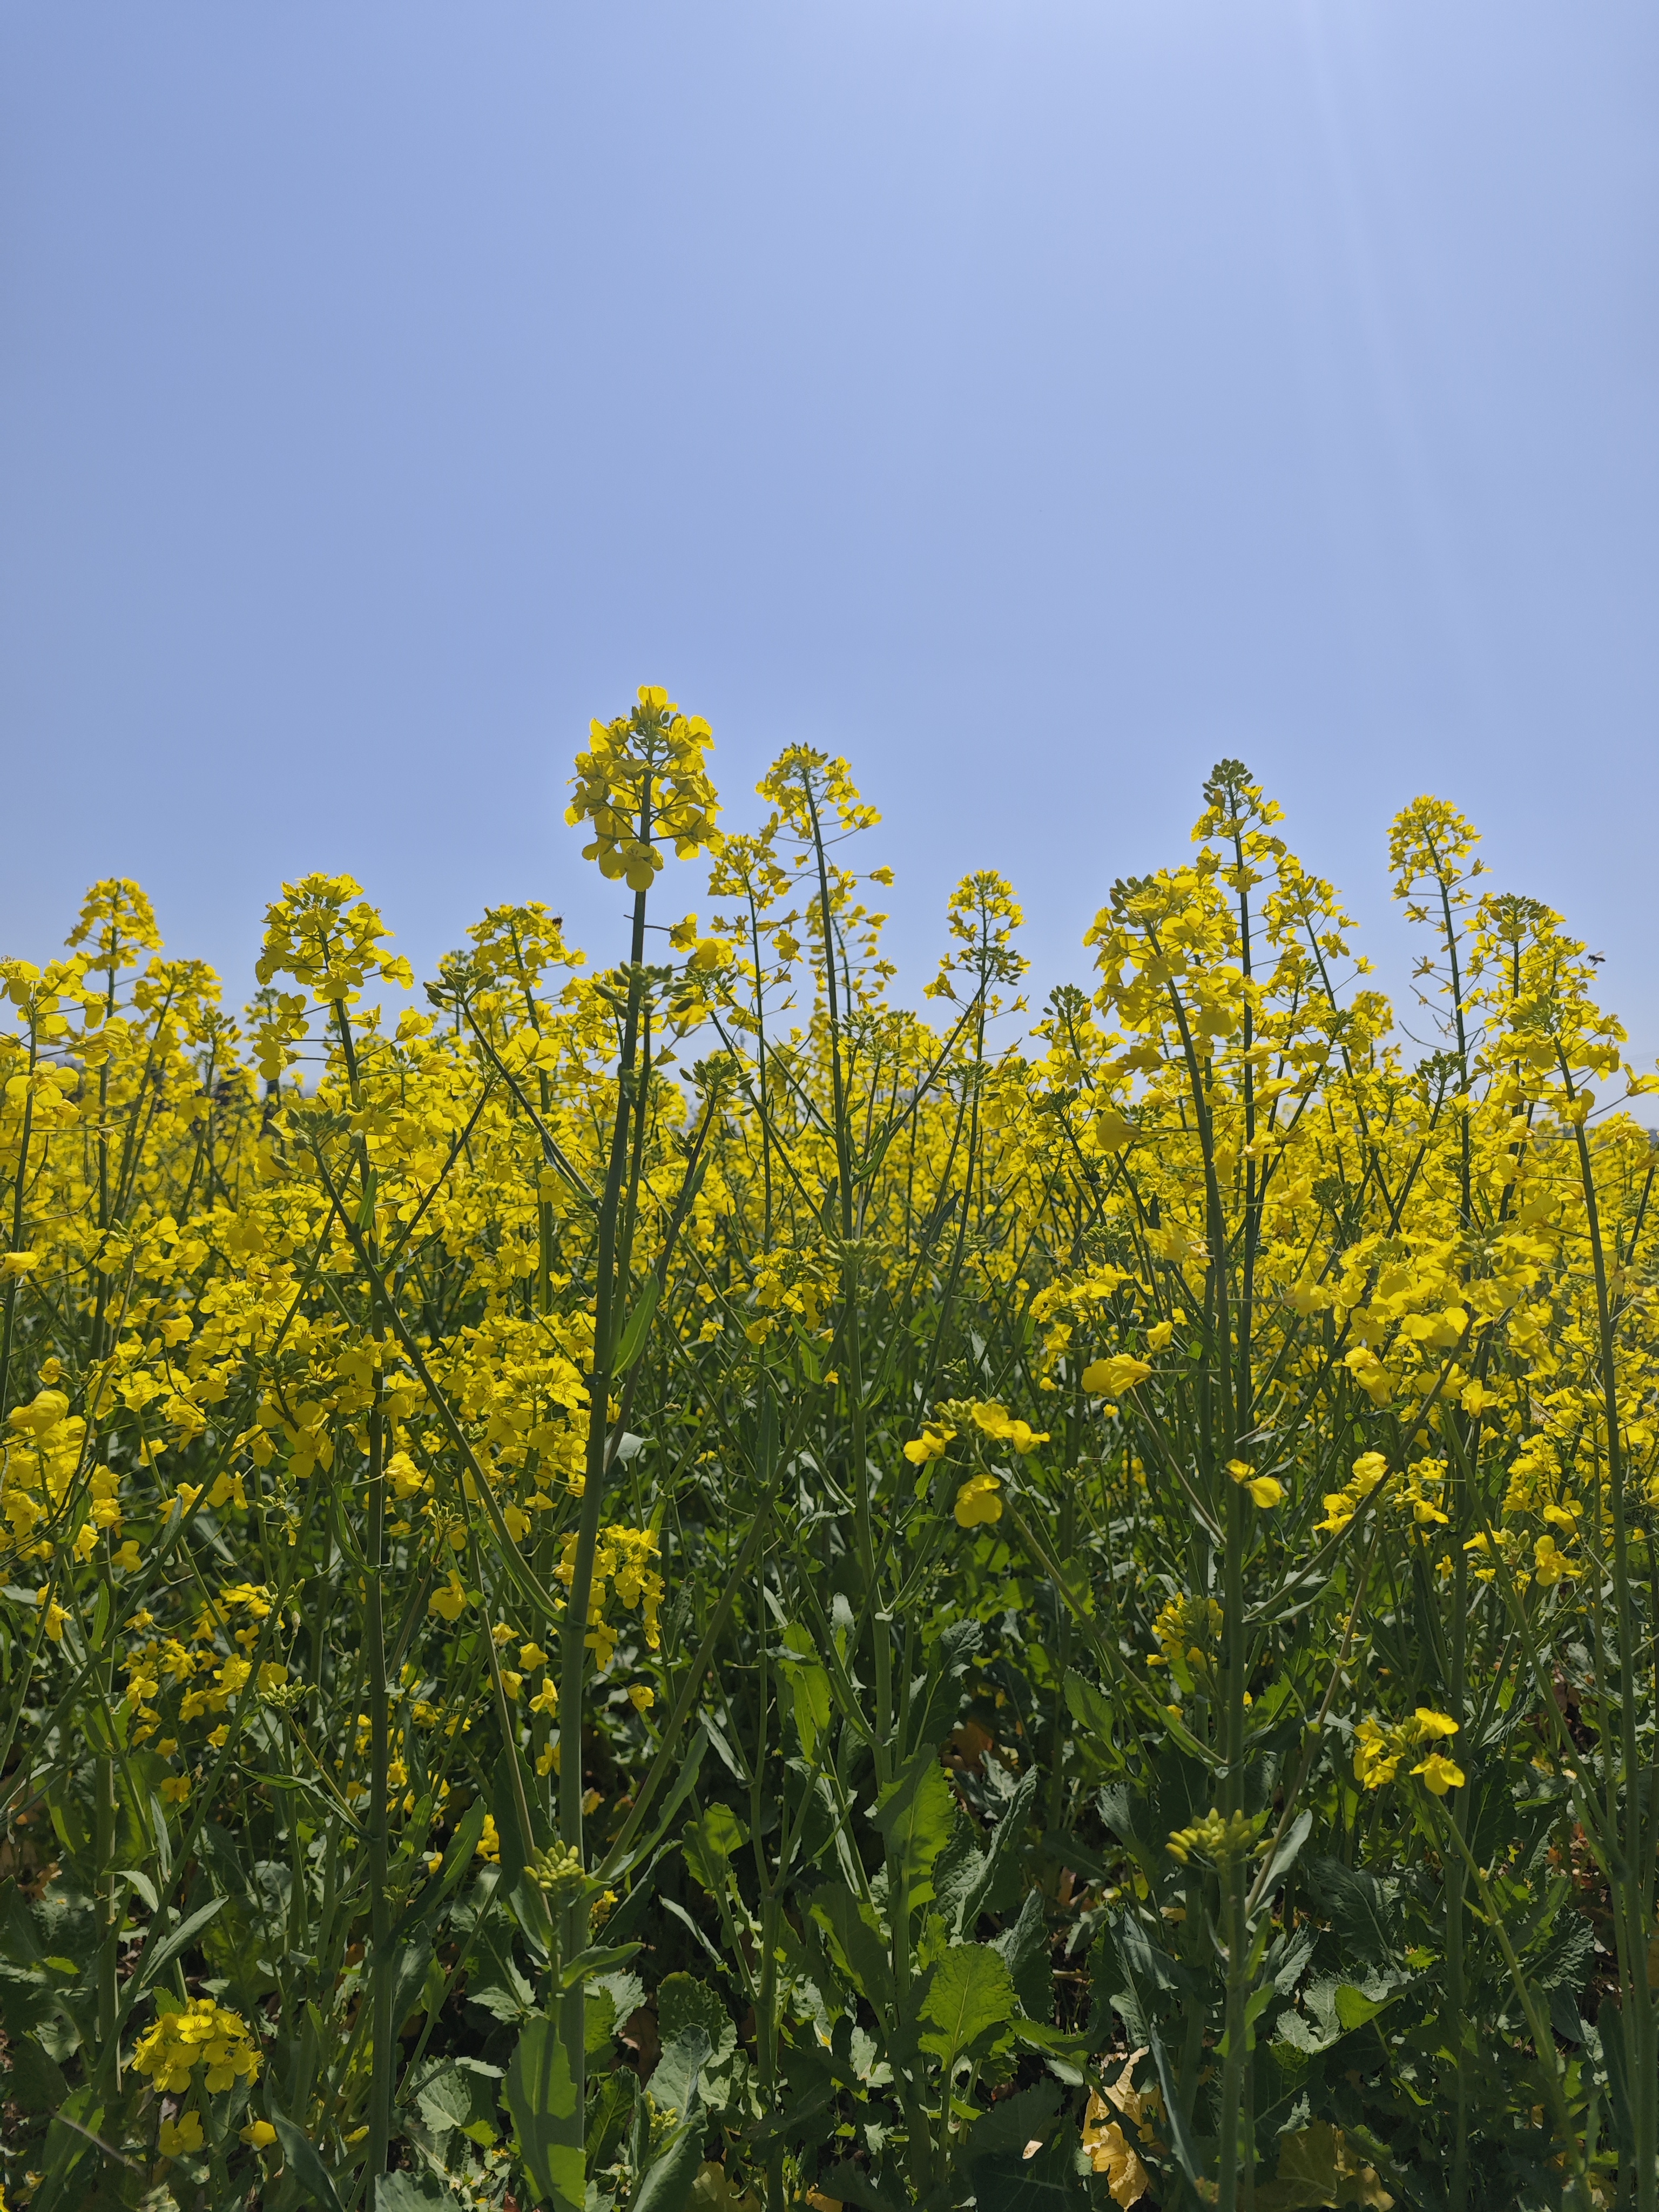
(644,784)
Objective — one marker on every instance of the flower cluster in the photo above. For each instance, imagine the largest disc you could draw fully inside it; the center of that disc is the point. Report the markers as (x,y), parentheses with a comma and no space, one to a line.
(645,778)
(623,1570)
(1380,1749)
(201,2033)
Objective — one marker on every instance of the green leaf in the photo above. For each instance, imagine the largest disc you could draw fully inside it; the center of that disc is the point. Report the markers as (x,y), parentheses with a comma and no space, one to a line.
(1025,1947)
(683,1788)
(20,1940)
(710,1841)
(71,2138)
(1006,1844)
(1354,2007)
(599,2019)
(1569,1957)
(809,1686)
(611,2115)
(169,1947)
(668,2180)
(36,2082)
(851,2184)
(863,1955)
(523,1900)
(1031,2116)
(410,2192)
(683,2002)
(598,1960)
(915,1815)
(959,1876)
(1089,1708)
(542,2098)
(1186,2150)
(1362,1908)
(1147,1965)
(461,2094)
(1285,1856)
(303,2163)
(1047,2182)
(972,1992)
(677,2074)
(639,1323)
(408,1978)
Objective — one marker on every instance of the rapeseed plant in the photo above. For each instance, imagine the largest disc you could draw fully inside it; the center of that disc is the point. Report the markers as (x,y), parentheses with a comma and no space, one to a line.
(673,1583)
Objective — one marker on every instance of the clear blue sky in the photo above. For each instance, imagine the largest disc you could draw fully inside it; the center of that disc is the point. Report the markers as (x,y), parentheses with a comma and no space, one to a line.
(1034,399)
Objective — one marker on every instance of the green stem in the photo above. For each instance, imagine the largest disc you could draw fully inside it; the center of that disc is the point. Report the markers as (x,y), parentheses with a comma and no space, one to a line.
(610,1294)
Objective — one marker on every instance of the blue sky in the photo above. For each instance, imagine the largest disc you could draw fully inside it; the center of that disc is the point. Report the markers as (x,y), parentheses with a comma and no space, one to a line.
(1033,399)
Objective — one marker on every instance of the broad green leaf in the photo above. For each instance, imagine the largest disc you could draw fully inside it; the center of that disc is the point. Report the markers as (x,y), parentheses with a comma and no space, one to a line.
(459,1856)
(1285,1856)
(851,2184)
(462,2094)
(686,1781)
(598,1960)
(1254,2005)
(1354,2007)
(808,1684)
(542,2098)
(959,1876)
(710,1841)
(1025,1947)
(1006,1844)
(1362,1909)
(600,2019)
(809,1687)
(610,2115)
(71,2139)
(20,1940)
(971,1992)
(410,2192)
(1047,2181)
(683,2002)
(861,1952)
(1030,2116)
(1089,1708)
(1318,2168)
(915,1814)
(35,2082)
(408,1973)
(677,2074)
(668,2182)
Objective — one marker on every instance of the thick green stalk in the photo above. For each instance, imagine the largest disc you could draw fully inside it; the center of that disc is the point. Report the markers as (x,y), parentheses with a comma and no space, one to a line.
(1233,2154)
(382,1964)
(609,1293)
(108,1913)
(1457,2180)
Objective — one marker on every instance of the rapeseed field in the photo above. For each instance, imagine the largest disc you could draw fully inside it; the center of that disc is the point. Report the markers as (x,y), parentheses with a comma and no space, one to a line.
(660,1583)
